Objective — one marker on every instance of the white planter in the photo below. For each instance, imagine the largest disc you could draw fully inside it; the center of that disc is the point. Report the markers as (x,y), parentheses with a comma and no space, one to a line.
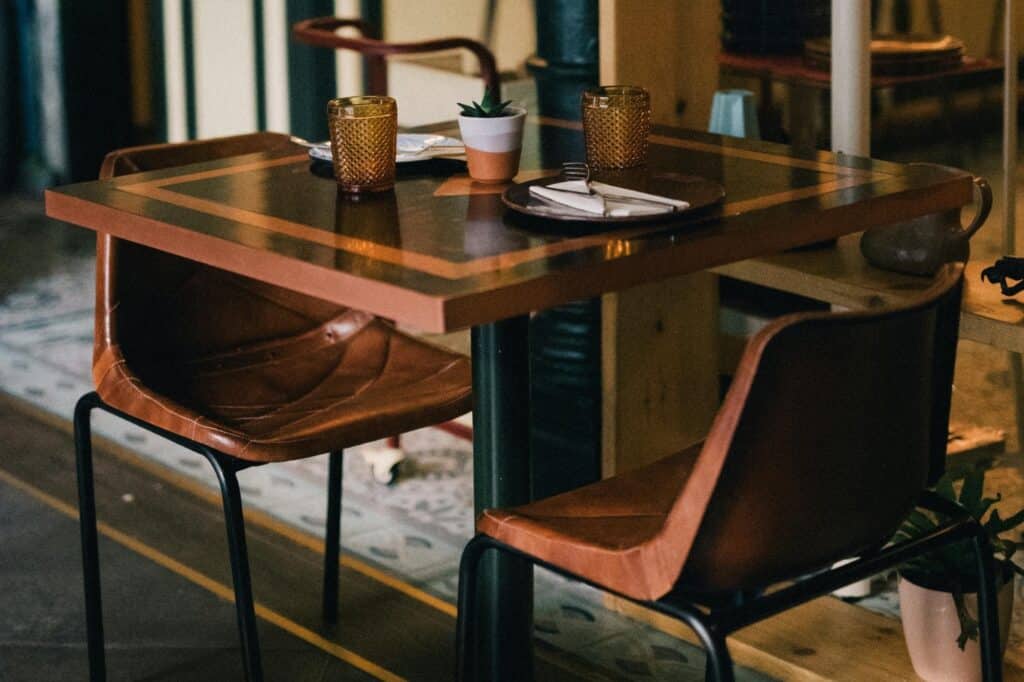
(493,145)
(931,628)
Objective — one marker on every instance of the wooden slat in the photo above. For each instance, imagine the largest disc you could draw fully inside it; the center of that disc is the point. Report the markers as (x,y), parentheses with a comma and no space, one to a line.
(826,639)
(680,72)
(837,275)
(660,370)
(842,277)
(988,316)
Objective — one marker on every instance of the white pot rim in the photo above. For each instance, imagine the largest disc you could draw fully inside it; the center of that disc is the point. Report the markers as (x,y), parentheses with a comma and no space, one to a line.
(1004,576)
(518,112)
(499,134)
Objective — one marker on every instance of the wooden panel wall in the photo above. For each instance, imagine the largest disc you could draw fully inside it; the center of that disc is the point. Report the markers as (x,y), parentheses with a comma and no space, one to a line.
(667,46)
(659,342)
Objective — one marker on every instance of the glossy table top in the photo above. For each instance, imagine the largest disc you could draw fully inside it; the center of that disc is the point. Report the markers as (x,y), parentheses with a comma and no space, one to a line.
(442,253)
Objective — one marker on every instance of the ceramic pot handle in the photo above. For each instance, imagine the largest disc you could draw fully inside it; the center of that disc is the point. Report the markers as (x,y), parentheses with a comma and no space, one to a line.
(984,192)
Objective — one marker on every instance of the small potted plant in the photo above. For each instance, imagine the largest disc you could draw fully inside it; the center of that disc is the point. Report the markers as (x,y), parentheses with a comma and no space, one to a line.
(938,591)
(492,131)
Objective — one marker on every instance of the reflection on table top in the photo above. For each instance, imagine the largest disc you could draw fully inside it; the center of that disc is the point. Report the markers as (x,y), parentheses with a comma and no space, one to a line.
(441,252)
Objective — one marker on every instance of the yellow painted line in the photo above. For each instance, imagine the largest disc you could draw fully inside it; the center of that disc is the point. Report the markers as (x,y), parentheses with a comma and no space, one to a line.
(206,582)
(252,516)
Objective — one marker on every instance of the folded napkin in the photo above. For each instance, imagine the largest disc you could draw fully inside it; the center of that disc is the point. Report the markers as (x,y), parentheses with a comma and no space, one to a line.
(573,193)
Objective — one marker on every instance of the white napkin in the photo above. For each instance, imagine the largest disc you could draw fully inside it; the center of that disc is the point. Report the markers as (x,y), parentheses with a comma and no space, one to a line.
(573,193)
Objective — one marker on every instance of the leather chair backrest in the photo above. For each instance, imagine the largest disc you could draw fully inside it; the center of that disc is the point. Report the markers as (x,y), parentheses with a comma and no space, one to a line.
(155,310)
(828,435)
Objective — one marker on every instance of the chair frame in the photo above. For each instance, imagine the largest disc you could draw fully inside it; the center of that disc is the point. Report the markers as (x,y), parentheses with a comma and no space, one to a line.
(226,467)
(713,623)
(321,32)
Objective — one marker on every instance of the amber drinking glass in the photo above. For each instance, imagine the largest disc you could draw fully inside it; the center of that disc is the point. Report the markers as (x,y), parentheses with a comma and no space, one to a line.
(616,123)
(364,131)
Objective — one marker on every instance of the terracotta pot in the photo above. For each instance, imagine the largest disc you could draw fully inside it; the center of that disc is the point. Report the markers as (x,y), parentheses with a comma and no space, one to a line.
(493,145)
(931,628)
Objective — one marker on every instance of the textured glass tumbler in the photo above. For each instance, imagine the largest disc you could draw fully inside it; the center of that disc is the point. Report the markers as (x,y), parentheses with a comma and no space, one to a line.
(616,123)
(364,132)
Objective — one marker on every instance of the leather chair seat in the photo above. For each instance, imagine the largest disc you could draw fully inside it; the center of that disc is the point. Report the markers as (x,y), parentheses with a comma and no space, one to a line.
(601,532)
(346,381)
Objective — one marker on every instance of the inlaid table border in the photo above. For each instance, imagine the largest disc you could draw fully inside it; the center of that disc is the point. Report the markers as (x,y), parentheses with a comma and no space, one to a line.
(159,190)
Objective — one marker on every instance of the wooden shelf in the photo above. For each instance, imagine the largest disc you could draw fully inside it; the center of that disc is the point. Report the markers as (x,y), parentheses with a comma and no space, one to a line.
(841,276)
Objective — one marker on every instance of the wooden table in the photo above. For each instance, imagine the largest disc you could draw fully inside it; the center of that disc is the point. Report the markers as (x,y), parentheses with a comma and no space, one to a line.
(440,253)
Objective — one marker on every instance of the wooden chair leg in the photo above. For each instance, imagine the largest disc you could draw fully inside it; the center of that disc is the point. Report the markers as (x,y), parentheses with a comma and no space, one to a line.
(332,537)
(244,606)
(90,544)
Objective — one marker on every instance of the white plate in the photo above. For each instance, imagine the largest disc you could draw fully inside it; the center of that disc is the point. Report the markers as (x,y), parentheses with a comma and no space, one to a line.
(411,147)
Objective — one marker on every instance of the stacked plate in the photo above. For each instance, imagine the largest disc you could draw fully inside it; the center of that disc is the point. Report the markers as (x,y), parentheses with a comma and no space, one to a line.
(897,54)
(409,148)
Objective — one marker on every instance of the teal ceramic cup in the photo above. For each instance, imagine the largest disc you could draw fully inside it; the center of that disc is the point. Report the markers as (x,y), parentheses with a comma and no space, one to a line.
(734,112)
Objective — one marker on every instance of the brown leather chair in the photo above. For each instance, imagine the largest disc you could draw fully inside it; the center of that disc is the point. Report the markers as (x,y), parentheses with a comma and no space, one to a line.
(244,373)
(322,32)
(824,443)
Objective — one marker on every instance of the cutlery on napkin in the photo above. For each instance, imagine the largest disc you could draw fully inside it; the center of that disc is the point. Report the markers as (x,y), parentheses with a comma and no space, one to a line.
(606,200)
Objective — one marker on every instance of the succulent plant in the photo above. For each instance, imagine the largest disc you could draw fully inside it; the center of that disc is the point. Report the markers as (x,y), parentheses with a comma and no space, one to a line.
(953,568)
(488,107)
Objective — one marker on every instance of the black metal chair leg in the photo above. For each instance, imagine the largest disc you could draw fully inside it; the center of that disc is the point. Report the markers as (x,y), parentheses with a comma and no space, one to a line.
(988,610)
(90,545)
(719,663)
(244,607)
(465,643)
(333,537)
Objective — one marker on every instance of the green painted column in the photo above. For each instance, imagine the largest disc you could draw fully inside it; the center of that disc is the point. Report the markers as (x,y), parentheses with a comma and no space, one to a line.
(311,80)
(565,346)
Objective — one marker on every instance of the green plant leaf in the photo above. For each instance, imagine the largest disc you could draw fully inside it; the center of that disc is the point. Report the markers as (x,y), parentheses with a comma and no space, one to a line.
(488,101)
(944,488)
(968,625)
(488,107)
(970,493)
(919,523)
(986,503)
(998,525)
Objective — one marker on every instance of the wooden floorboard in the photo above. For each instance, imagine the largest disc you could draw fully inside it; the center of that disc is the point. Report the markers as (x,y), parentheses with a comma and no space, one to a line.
(825,639)
(404,635)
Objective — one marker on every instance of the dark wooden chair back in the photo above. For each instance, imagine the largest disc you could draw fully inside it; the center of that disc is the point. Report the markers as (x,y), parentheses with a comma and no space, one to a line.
(829,433)
(154,310)
(322,32)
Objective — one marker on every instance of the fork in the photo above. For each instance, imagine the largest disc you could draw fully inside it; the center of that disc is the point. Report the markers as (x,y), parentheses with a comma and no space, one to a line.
(577,170)
(580,170)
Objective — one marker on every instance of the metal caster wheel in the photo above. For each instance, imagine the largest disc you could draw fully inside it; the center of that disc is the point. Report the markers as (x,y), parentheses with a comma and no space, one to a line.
(384,463)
